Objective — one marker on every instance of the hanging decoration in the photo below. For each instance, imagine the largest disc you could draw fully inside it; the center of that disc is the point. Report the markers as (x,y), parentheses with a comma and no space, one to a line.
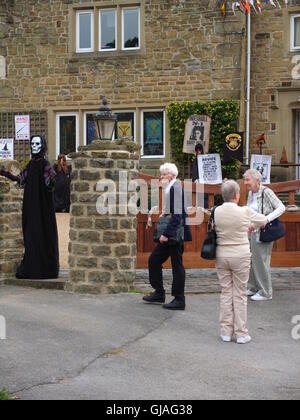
(245,6)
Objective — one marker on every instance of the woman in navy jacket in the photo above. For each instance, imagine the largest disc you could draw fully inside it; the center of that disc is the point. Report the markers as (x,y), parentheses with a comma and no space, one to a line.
(175,207)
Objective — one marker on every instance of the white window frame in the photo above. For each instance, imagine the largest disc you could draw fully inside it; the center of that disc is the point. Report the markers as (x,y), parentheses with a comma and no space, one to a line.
(293,47)
(116,30)
(142,133)
(128,111)
(139,29)
(66,114)
(84,50)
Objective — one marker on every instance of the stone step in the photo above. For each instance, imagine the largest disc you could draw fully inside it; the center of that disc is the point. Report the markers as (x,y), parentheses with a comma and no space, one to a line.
(51,284)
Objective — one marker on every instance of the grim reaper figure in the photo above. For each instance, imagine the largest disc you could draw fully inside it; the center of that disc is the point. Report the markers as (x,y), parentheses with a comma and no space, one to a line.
(41,258)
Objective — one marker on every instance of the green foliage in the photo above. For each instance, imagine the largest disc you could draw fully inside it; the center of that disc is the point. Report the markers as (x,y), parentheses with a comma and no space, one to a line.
(4,395)
(224,115)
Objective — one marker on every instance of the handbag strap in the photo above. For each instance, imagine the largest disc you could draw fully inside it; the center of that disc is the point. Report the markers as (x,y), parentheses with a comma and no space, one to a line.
(212,218)
(263,196)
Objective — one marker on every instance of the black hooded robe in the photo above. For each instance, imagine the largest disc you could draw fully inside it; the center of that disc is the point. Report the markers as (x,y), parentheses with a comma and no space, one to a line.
(41,258)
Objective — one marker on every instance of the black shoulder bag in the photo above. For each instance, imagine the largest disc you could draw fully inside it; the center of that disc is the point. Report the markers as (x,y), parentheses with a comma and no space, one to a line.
(209,248)
(273,230)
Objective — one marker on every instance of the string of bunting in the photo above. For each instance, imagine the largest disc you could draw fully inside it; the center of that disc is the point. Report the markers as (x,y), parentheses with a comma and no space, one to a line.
(245,6)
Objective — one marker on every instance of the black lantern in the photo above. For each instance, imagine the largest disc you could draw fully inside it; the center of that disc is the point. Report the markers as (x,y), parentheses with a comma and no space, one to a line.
(106,122)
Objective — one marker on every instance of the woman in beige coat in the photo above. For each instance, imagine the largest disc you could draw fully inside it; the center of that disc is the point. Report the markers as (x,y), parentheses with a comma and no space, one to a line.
(232,224)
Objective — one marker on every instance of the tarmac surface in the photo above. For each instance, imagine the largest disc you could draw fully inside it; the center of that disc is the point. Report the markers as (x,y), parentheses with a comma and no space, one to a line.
(64,346)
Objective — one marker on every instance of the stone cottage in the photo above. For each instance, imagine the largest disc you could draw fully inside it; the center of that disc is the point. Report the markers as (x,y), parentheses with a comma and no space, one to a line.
(58,58)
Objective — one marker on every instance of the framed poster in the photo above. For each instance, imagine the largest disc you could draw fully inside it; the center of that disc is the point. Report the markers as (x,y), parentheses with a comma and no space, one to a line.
(197,130)
(263,164)
(210,169)
(91,129)
(6,149)
(153,134)
(125,126)
(22,127)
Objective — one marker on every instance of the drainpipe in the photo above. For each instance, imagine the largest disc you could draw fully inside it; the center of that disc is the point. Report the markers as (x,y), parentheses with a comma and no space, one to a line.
(248,87)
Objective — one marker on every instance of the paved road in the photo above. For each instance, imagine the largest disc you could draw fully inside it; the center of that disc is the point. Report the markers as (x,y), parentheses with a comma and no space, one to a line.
(64,346)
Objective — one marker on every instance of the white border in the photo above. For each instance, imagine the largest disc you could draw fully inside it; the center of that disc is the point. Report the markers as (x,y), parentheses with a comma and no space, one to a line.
(66,114)
(84,50)
(116,30)
(139,27)
(164,133)
(292,32)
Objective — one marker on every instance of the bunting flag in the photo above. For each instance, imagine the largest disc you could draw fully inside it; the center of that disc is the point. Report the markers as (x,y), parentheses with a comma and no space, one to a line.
(245,6)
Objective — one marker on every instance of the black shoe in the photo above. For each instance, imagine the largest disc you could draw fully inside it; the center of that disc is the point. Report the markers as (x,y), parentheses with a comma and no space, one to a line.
(155,297)
(176,305)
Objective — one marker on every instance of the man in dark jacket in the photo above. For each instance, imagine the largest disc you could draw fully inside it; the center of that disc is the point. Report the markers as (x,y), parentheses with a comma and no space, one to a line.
(175,209)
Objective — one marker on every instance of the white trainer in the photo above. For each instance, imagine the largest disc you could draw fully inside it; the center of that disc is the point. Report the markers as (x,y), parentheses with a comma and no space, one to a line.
(249,293)
(226,338)
(259,298)
(244,340)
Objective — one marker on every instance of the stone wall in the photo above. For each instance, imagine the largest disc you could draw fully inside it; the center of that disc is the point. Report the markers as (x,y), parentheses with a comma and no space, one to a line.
(11,236)
(102,247)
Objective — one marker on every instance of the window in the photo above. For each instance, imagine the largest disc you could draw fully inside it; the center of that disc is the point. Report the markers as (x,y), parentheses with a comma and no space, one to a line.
(108,30)
(90,129)
(131,28)
(295,32)
(125,127)
(153,134)
(85,31)
(66,133)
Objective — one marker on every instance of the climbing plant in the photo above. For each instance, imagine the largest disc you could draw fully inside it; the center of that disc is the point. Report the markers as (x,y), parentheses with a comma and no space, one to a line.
(224,115)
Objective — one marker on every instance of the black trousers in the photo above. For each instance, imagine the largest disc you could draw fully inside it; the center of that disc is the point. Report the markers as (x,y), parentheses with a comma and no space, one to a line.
(159,256)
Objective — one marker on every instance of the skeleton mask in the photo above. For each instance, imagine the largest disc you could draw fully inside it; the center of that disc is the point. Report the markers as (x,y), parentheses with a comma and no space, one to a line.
(36,145)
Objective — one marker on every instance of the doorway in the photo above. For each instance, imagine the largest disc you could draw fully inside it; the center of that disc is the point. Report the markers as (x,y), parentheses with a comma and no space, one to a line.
(297,160)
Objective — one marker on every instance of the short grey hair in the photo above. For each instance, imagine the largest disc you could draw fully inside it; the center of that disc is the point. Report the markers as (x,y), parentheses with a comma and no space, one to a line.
(254,174)
(170,168)
(229,190)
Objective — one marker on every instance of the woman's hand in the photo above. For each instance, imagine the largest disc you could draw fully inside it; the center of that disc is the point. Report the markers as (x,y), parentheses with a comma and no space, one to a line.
(250,230)
(163,239)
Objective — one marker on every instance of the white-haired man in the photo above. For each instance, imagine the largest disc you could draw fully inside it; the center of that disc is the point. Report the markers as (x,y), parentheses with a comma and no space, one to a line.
(175,208)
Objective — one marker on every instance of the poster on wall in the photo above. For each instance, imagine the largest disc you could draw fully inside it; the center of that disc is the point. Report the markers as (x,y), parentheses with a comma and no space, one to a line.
(22,127)
(263,164)
(153,134)
(125,126)
(210,169)
(6,149)
(197,130)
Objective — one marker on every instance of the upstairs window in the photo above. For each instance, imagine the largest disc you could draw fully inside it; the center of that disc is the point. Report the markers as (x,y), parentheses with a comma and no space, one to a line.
(85,31)
(108,30)
(131,28)
(295,33)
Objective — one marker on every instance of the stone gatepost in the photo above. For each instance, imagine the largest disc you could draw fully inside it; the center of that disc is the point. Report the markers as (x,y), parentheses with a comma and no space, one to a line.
(11,236)
(102,246)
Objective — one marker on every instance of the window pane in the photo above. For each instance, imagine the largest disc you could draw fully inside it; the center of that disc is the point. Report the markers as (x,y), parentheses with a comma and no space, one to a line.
(125,126)
(153,134)
(131,28)
(85,30)
(67,130)
(297,32)
(108,30)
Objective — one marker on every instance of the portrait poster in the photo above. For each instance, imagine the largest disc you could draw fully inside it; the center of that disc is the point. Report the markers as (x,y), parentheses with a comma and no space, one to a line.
(197,130)
(263,164)
(6,149)
(210,169)
(22,127)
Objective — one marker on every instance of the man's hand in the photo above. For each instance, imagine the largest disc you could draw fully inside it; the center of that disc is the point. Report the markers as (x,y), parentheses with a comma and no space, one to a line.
(163,239)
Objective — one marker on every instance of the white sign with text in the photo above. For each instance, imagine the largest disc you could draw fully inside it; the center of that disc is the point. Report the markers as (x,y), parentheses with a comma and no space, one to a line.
(210,169)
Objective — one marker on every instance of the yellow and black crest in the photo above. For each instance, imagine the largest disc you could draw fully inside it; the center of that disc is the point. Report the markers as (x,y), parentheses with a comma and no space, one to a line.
(234,141)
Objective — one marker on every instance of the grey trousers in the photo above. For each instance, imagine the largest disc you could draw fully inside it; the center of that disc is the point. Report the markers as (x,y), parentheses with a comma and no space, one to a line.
(260,274)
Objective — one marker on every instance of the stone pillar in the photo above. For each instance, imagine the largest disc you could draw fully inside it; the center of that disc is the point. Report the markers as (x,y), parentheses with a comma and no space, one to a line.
(11,236)
(102,247)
